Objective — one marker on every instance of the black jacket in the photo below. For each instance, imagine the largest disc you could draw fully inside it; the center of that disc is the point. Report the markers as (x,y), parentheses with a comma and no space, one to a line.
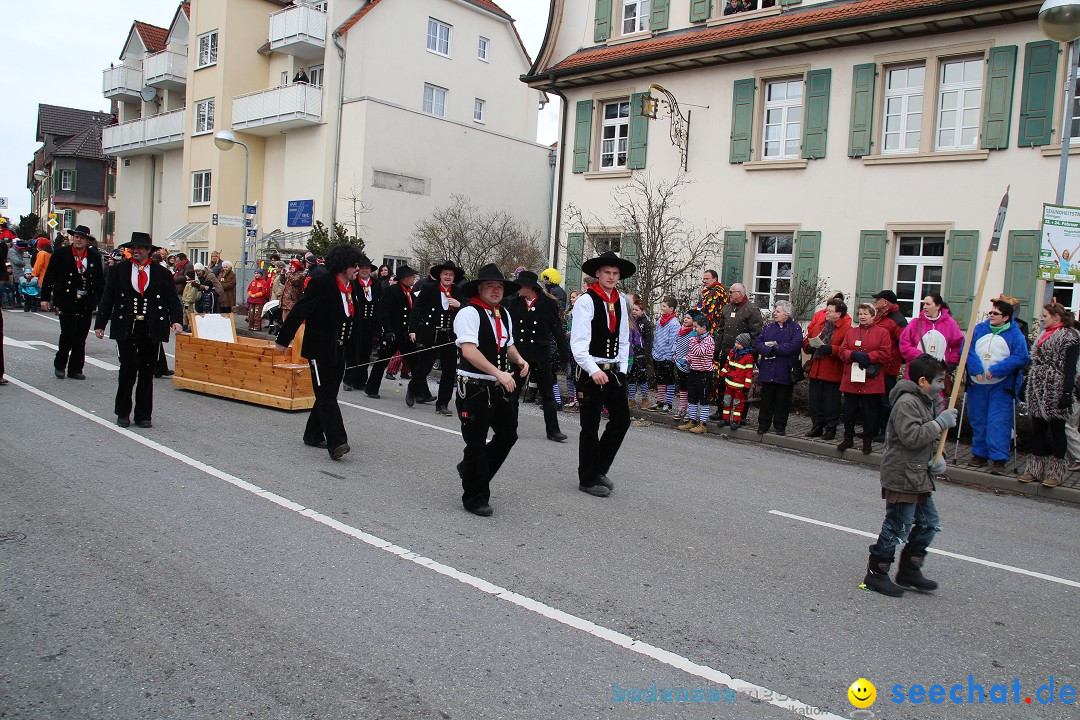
(428,314)
(328,327)
(368,312)
(394,311)
(63,280)
(120,300)
(535,329)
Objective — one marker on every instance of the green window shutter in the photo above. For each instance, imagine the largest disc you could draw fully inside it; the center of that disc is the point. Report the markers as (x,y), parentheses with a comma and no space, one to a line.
(110,187)
(74,181)
(575,249)
(742,120)
(700,10)
(639,132)
(630,249)
(861,131)
(805,273)
(871,275)
(56,181)
(1037,97)
(110,222)
(960,272)
(734,257)
(602,29)
(1022,270)
(661,11)
(816,113)
(997,110)
(582,135)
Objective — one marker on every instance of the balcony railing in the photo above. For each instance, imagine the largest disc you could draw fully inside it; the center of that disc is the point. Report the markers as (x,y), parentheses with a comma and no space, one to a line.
(167,69)
(299,31)
(269,111)
(145,136)
(122,83)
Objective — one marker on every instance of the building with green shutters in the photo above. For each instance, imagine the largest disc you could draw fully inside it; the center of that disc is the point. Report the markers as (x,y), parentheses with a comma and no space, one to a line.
(867,142)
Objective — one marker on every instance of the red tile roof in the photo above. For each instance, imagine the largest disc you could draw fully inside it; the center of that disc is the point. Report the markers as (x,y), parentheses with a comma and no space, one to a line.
(787,23)
(153,37)
(186,7)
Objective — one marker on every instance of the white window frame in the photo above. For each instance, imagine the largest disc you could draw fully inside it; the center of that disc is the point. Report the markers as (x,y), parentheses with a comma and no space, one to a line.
(482,46)
(479,106)
(321,6)
(791,118)
(774,260)
(316,75)
(619,130)
(922,286)
(394,262)
(639,21)
(201,183)
(204,116)
(730,8)
(207,53)
(431,104)
(904,98)
(69,218)
(284,78)
(66,177)
(435,37)
(964,90)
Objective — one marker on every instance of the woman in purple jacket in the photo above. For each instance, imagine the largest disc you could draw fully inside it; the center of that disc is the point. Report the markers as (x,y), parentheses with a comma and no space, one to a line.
(778,345)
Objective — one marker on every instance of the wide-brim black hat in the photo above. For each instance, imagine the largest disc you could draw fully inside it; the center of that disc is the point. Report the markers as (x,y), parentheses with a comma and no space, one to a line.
(609,259)
(81,230)
(447,265)
(489,273)
(527,278)
(140,239)
(365,261)
(403,272)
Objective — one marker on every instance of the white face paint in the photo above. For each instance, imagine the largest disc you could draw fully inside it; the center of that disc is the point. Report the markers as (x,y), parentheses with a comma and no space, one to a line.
(938,385)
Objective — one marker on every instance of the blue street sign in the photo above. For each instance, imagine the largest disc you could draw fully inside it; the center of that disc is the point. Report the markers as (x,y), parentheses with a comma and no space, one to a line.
(253,233)
(301,213)
(251,209)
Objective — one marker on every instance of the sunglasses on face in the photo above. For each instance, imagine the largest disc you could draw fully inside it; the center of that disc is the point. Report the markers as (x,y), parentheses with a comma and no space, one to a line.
(994,312)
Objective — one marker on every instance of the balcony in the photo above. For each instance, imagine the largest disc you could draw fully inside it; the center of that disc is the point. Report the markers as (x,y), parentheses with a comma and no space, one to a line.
(166,69)
(299,31)
(269,112)
(145,136)
(122,83)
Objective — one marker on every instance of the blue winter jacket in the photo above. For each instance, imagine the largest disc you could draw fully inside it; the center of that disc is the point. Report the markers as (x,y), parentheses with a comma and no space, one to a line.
(1004,367)
(663,344)
(774,361)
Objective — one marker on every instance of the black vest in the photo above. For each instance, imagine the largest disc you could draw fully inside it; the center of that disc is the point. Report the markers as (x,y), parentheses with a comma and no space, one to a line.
(365,310)
(604,343)
(487,343)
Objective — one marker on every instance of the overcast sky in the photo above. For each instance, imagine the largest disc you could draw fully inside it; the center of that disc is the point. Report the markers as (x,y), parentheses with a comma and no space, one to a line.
(61,47)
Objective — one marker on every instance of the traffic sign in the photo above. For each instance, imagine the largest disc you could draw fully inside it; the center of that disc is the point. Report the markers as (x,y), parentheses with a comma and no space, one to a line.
(3,203)
(253,233)
(52,223)
(228,220)
(252,209)
(52,216)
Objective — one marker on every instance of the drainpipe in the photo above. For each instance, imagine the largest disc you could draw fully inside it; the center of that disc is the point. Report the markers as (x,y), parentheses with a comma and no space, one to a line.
(337,133)
(153,180)
(562,171)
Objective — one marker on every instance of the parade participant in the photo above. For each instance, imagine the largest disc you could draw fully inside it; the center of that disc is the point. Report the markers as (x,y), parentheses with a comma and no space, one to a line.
(934,332)
(600,342)
(552,280)
(908,469)
(328,306)
(142,306)
(737,376)
(74,281)
(367,318)
(641,332)
(536,324)
(393,311)
(485,395)
(258,293)
(431,327)
(699,357)
(825,337)
(682,368)
(713,299)
(663,353)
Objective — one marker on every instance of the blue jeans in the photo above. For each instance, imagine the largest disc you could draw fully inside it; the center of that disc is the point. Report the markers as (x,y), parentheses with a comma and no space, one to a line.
(913,523)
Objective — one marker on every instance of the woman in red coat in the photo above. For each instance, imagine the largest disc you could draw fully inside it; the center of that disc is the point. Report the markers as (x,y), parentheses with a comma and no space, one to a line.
(865,350)
(824,339)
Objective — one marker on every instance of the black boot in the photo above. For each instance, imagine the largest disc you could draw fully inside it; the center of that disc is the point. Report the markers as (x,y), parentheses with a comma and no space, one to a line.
(910,575)
(877,577)
(816,431)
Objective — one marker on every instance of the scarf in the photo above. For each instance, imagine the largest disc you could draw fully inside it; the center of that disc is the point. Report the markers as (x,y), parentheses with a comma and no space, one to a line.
(1046,334)
(610,301)
(408,294)
(344,288)
(445,290)
(494,310)
(685,330)
(1000,328)
(144,275)
(826,333)
(80,258)
(366,284)
(665,319)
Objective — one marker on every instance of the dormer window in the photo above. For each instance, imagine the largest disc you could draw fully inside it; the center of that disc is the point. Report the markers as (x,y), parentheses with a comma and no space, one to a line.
(635,16)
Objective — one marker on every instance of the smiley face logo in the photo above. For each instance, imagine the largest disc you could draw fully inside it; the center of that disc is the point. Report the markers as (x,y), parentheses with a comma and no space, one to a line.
(862,693)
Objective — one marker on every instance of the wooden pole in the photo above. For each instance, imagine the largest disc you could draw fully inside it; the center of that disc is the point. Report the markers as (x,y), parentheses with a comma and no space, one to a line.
(995,241)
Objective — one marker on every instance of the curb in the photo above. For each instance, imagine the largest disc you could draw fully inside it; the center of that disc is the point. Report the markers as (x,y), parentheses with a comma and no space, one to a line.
(957,475)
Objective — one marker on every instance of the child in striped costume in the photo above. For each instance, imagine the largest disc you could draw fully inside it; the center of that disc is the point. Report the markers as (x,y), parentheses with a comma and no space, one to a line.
(737,376)
(699,356)
(682,345)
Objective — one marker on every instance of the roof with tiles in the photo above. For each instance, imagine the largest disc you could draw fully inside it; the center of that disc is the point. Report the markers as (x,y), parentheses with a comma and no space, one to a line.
(814,17)
(86,144)
(65,122)
(153,37)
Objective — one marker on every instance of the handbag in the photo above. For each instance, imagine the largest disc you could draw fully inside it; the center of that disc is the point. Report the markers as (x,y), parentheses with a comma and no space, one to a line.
(798,372)
(873,369)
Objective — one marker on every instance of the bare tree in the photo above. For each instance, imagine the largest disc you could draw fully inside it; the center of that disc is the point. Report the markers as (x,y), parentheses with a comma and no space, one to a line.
(808,291)
(473,237)
(354,208)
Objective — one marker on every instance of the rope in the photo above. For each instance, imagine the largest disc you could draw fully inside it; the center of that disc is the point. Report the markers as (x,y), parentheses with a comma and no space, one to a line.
(414,352)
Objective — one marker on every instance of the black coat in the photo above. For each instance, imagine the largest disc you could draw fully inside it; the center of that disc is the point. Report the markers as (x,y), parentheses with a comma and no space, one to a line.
(535,329)
(328,328)
(119,299)
(394,311)
(62,279)
(427,312)
(368,312)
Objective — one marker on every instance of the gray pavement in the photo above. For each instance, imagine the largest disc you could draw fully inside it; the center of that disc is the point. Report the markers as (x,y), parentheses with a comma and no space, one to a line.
(138,583)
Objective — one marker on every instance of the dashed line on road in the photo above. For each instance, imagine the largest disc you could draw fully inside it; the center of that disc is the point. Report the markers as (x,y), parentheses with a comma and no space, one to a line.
(399,417)
(946,553)
(753,691)
(89,360)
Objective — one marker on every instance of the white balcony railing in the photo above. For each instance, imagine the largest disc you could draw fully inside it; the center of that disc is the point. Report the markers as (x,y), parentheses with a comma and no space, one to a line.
(145,135)
(167,68)
(299,30)
(285,107)
(122,82)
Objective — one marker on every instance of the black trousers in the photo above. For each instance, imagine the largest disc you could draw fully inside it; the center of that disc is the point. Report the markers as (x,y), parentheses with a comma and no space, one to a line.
(482,408)
(825,403)
(596,452)
(540,373)
(1048,437)
(775,405)
(1,344)
(138,354)
(423,362)
(74,326)
(358,376)
(162,364)
(418,384)
(324,421)
(869,405)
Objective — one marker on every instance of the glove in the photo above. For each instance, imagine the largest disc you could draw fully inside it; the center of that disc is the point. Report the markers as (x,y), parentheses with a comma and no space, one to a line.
(937,467)
(860,357)
(946,419)
(823,351)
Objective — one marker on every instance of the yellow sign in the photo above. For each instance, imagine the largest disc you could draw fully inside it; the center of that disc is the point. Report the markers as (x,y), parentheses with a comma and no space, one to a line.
(52,216)
(52,224)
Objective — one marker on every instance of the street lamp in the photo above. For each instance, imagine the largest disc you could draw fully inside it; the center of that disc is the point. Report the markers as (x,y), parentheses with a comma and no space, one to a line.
(1060,20)
(225,139)
(40,175)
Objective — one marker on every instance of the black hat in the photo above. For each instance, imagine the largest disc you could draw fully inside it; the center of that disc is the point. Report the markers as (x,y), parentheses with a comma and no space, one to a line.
(140,239)
(81,230)
(488,273)
(365,261)
(528,278)
(886,295)
(447,265)
(609,259)
(403,272)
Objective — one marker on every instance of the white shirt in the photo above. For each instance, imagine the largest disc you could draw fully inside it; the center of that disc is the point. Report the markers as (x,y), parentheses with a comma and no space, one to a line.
(467,329)
(135,276)
(345,303)
(581,335)
(367,288)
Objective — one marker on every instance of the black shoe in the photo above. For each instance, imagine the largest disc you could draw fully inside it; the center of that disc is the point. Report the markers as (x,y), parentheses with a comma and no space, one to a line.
(723,423)
(606,482)
(877,577)
(736,425)
(346,387)
(340,451)
(406,376)
(390,376)
(164,373)
(781,431)
(318,444)
(829,434)
(879,438)
(409,399)
(481,510)
(846,444)
(595,490)
(144,423)
(373,396)
(123,420)
(58,373)
(557,437)
(910,573)
(76,376)
(425,400)
(816,431)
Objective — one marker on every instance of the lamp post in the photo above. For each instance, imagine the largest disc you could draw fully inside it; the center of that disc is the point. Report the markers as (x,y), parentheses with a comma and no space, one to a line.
(1060,20)
(41,176)
(225,139)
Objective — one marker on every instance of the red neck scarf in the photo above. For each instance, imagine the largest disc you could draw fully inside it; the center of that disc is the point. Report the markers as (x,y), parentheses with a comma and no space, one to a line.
(665,319)
(144,274)
(494,310)
(610,300)
(529,303)
(1046,334)
(408,294)
(80,257)
(685,330)
(366,284)
(344,288)
(446,290)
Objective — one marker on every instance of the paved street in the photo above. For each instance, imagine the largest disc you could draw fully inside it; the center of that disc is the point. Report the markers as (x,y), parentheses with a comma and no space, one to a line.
(215,566)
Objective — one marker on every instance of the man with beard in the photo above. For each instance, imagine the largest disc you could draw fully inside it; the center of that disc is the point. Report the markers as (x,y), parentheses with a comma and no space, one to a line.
(74,281)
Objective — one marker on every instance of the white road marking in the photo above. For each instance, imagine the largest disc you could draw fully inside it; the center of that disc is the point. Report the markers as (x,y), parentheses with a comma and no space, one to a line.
(946,553)
(45,316)
(89,360)
(8,340)
(399,417)
(755,692)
